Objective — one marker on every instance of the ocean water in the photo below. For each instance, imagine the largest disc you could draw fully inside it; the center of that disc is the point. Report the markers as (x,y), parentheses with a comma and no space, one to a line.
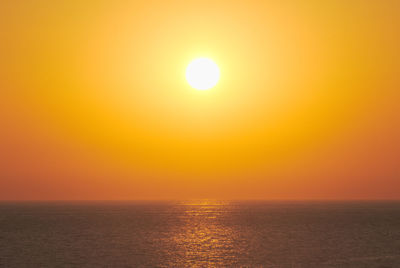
(200,233)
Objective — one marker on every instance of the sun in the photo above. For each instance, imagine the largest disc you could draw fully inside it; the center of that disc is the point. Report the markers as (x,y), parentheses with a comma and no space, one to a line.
(202,73)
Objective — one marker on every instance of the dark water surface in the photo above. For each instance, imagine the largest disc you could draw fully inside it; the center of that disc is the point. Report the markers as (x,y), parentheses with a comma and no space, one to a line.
(200,234)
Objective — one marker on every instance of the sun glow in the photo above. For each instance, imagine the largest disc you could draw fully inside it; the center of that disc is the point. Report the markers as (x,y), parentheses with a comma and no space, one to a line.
(192,99)
(202,73)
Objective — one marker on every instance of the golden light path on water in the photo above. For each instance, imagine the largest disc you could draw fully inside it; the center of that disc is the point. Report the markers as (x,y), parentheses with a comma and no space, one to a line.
(205,238)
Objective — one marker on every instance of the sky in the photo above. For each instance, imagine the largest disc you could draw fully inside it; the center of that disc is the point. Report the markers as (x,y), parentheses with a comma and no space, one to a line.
(94,103)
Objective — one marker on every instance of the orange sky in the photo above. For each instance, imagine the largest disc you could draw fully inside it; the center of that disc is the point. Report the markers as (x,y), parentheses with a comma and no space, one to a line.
(94,103)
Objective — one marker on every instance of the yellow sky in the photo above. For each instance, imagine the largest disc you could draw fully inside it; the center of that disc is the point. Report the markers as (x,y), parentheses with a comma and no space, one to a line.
(94,103)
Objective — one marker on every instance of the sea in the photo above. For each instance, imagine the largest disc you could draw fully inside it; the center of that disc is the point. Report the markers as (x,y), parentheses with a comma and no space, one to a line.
(200,233)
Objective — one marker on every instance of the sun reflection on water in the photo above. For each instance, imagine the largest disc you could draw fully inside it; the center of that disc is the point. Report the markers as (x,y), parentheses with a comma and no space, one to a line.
(204,238)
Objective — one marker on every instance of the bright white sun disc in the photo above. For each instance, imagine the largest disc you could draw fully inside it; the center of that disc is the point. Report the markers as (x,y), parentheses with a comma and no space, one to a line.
(202,73)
